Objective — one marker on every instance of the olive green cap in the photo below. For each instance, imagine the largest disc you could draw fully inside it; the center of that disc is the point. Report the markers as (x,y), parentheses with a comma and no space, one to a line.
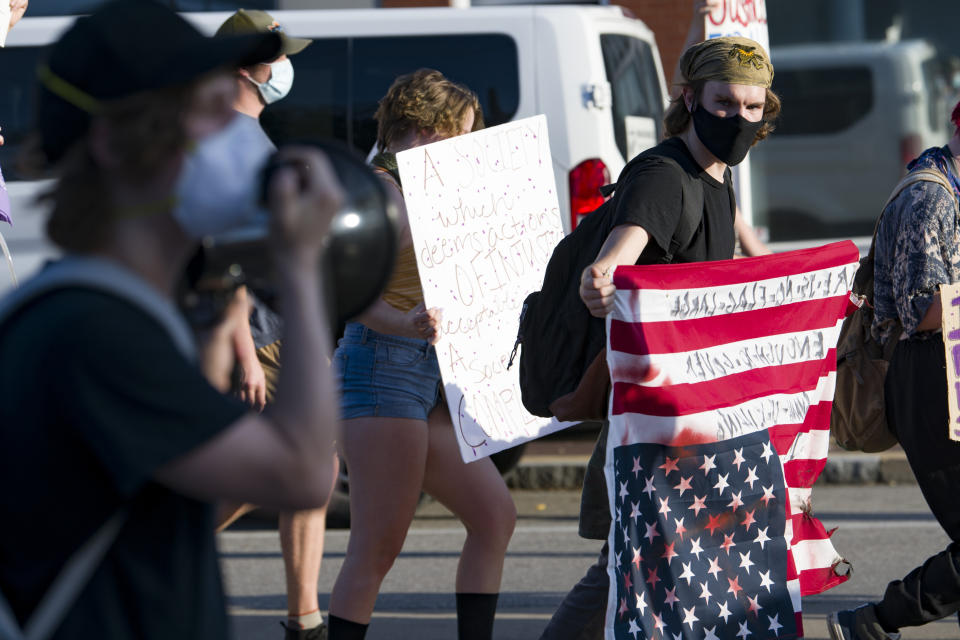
(253,21)
(733,59)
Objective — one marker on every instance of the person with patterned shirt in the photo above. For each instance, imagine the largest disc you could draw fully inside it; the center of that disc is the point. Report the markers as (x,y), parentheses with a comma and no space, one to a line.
(917,251)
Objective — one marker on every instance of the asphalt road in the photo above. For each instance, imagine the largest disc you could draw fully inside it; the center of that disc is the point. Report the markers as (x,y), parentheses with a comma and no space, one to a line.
(883,530)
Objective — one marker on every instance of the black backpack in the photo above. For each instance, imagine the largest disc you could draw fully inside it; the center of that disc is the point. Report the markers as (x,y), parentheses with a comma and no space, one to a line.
(562,342)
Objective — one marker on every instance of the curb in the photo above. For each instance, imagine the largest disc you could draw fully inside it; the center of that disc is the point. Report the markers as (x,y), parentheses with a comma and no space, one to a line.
(541,472)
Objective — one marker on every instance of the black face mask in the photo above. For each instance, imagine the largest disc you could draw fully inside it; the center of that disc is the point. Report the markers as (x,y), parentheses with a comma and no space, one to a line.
(728,139)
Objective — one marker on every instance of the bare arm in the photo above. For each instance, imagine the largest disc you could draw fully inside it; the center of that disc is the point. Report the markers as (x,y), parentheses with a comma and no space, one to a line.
(283,457)
(749,242)
(933,318)
(253,382)
(623,246)
(695,34)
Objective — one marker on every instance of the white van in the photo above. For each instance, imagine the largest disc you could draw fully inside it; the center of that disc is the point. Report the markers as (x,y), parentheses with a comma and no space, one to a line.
(594,72)
(853,115)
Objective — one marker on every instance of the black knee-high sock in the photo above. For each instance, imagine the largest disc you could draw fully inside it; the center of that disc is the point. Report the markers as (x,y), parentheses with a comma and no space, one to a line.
(340,629)
(475,612)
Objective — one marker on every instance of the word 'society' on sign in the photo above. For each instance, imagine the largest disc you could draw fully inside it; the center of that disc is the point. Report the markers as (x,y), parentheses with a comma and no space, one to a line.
(950,295)
(485,218)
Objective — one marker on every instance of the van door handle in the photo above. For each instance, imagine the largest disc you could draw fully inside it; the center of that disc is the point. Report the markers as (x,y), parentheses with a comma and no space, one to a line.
(598,95)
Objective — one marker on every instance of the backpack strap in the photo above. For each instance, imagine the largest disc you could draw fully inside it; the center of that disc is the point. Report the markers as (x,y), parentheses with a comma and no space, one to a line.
(106,276)
(102,275)
(63,592)
(692,197)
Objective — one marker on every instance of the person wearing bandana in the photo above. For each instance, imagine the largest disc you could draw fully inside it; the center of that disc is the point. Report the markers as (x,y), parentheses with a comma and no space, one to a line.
(725,106)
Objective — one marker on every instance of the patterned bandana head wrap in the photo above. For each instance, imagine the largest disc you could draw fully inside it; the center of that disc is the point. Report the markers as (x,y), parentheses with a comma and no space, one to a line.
(733,60)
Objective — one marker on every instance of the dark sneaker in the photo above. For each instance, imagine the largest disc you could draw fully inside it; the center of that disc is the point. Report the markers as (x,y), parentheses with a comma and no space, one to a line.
(857,624)
(315,633)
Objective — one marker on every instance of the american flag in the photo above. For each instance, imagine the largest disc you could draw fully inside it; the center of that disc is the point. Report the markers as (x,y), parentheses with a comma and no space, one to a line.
(723,377)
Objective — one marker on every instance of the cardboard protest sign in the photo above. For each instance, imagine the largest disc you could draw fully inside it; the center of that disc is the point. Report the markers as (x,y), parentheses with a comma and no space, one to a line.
(747,18)
(950,298)
(485,218)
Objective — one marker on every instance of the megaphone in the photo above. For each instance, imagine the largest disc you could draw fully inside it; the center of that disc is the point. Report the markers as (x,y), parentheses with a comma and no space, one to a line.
(356,263)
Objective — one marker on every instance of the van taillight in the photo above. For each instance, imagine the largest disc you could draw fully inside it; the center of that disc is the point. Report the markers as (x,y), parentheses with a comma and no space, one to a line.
(585,181)
(909,149)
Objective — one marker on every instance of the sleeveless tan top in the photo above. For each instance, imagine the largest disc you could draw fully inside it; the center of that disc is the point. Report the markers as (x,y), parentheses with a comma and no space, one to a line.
(403,291)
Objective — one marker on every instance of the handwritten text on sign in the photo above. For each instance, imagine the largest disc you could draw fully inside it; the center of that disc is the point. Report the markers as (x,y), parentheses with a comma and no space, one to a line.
(747,18)
(485,218)
(950,296)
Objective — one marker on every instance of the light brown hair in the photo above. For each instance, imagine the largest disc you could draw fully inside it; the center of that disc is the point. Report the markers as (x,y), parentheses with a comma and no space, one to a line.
(424,100)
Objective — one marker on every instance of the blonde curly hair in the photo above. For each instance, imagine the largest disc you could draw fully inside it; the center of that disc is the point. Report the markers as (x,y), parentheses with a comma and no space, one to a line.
(424,100)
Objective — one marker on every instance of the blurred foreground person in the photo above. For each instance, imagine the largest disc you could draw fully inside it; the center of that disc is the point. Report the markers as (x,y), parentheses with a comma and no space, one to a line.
(109,427)
(917,250)
(258,344)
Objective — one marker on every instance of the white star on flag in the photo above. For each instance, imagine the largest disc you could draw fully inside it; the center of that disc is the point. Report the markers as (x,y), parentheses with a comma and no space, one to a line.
(634,629)
(766,452)
(683,486)
(745,562)
(671,599)
(689,617)
(765,580)
(738,458)
(724,611)
(709,634)
(708,464)
(642,604)
(623,490)
(698,503)
(721,483)
(695,548)
(767,495)
(761,538)
(636,467)
(648,489)
(737,501)
(651,531)
(744,632)
(751,477)
(775,625)
(687,573)
(705,592)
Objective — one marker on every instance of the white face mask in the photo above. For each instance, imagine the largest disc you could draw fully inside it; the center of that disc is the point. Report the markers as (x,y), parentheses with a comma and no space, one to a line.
(279,84)
(219,181)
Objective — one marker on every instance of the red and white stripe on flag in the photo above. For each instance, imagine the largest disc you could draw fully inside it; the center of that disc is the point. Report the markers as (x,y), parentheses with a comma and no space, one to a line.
(705,353)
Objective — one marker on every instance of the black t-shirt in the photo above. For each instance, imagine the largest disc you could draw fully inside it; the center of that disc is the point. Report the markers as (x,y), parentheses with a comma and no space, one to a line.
(96,397)
(652,198)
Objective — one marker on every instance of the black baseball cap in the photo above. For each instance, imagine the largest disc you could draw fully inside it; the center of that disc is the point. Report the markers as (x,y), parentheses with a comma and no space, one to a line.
(124,48)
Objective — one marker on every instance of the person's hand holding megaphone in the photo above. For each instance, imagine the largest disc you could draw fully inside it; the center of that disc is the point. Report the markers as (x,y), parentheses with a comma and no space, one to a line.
(304,195)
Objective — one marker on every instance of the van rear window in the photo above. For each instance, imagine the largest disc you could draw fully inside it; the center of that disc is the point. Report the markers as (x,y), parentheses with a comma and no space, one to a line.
(338,82)
(822,100)
(635,87)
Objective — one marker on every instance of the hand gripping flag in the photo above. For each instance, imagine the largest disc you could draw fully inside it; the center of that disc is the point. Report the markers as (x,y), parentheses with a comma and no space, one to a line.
(723,377)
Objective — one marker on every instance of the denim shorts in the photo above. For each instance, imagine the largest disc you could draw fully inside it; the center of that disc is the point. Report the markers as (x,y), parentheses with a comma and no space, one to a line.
(386,376)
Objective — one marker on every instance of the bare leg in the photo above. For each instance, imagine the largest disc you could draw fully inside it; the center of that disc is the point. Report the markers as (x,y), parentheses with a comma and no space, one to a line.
(477,495)
(230,512)
(386,458)
(301,540)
